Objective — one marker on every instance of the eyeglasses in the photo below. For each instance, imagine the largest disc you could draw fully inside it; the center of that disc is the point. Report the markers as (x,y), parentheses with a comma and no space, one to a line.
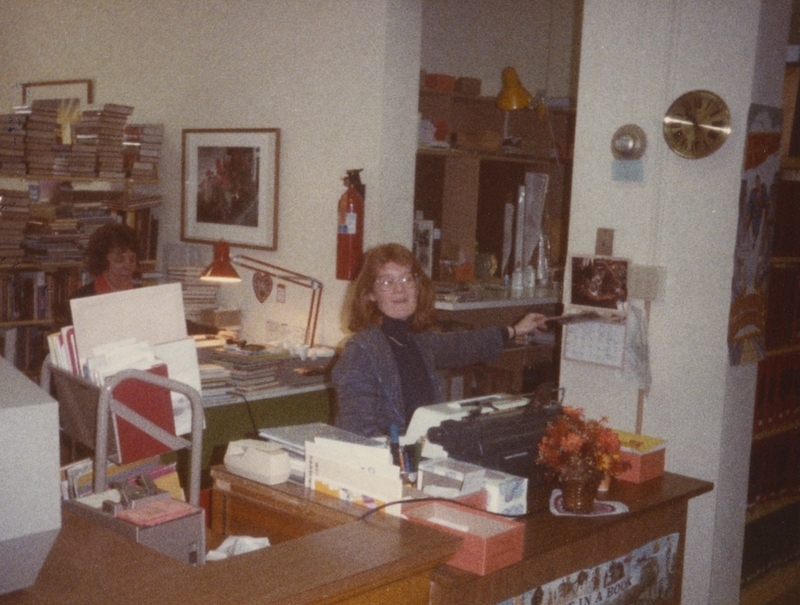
(387,283)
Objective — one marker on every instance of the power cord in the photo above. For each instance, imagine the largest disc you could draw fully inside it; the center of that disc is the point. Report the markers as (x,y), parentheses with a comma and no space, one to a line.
(380,507)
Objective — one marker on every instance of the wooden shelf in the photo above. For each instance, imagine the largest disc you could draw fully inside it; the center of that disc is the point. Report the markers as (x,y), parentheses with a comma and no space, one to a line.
(77,179)
(491,155)
(28,323)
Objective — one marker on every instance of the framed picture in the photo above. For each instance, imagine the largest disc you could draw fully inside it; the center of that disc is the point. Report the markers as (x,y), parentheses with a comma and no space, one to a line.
(83,90)
(230,186)
(599,283)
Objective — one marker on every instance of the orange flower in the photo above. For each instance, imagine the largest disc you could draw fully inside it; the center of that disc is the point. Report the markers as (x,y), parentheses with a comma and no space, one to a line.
(573,445)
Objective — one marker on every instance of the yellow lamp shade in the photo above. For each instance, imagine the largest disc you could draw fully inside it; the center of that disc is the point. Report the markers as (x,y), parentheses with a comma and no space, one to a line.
(513,95)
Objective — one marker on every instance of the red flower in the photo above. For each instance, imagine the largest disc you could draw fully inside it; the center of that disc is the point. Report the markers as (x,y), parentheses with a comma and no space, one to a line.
(574,445)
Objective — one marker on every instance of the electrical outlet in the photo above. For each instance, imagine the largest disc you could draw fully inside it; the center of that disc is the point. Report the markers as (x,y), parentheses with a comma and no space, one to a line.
(646,282)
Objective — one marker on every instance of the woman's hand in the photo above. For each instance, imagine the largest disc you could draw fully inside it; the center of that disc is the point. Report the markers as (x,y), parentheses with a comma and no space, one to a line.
(532,322)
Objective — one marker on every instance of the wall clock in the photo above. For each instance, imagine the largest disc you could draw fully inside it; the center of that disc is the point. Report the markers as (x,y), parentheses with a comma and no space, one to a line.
(697,124)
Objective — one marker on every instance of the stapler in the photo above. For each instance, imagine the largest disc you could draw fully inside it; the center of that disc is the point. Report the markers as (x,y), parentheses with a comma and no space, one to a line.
(131,495)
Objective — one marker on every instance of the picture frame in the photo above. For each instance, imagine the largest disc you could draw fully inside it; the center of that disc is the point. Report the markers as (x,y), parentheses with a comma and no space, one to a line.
(229,187)
(599,283)
(83,90)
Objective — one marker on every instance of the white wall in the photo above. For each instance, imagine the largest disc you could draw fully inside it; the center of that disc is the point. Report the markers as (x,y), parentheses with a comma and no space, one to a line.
(477,39)
(338,77)
(682,215)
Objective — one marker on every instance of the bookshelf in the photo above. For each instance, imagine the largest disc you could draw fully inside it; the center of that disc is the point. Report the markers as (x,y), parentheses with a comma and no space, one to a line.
(471,160)
(63,173)
(772,530)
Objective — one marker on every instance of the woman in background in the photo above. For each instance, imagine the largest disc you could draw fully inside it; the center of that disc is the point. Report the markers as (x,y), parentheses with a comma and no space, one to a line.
(388,367)
(111,258)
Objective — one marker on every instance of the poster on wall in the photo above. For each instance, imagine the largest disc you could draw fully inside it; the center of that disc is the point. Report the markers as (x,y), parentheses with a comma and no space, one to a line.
(754,235)
(644,576)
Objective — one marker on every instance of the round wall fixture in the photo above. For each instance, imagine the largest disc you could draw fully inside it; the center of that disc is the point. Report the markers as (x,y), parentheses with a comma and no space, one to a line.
(628,143)
(697,124)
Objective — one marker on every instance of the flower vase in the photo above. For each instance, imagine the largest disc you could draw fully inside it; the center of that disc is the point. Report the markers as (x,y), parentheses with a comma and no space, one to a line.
(578,495)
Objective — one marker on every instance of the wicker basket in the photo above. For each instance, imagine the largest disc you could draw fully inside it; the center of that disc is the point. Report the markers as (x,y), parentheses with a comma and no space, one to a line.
(579,495)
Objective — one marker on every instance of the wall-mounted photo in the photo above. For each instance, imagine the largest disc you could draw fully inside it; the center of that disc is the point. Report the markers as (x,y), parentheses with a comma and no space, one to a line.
(599,282)
(82,90)
(230,186)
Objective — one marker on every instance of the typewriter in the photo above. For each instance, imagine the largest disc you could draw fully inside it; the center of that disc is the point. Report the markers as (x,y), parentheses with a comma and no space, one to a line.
(505,439)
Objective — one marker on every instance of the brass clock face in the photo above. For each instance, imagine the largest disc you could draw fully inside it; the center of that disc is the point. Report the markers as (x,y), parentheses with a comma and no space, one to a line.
(697,124)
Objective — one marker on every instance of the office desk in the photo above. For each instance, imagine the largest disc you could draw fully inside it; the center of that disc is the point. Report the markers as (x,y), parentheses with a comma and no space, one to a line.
(277,407)
(375,561)
(555,547)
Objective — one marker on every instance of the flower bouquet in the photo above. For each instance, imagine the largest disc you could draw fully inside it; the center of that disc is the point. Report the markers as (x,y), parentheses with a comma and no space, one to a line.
(580,452)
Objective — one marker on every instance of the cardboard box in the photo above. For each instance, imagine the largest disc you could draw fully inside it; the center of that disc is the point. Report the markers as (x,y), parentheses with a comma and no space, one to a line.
(457,477)
(221,318)
(442,82)
(646,456)
(468,86)
(488,542)
(480,140)
(498,492)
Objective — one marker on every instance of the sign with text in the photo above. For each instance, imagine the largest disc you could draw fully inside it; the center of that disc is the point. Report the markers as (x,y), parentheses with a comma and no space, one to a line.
(645,576)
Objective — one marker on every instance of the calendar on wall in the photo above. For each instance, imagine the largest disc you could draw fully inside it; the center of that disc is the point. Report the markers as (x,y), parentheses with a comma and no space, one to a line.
(600,342)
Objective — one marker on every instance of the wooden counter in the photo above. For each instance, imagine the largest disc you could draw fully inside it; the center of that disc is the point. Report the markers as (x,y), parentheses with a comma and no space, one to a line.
(555,547)
(378,560)
(338,559)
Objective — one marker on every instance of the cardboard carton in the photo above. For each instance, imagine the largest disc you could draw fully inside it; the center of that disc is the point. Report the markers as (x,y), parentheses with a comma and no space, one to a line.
(646,456)
(488,542)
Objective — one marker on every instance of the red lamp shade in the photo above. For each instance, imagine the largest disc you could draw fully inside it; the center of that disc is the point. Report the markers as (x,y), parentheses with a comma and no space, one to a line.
(221,269)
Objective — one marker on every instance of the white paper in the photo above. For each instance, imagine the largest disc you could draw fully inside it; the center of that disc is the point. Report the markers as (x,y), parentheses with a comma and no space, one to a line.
(595,342)
(154,315)
(181,359)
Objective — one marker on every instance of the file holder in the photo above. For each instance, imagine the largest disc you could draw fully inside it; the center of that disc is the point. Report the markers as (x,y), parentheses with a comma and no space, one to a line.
(182,538)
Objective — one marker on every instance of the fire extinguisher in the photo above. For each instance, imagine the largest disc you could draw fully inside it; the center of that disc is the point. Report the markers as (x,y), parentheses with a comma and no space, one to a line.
(350,232)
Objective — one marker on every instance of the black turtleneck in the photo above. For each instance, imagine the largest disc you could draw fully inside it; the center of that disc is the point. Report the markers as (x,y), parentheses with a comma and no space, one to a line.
(414,380)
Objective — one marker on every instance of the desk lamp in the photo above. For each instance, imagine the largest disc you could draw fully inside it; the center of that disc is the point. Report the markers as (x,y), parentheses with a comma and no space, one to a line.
(512,96)
(221,270)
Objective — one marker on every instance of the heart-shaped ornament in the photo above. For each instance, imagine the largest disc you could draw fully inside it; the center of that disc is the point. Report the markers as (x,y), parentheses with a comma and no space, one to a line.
(262,285)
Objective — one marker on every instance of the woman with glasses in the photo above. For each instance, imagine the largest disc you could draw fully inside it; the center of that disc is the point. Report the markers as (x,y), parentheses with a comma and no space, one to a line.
(388,367)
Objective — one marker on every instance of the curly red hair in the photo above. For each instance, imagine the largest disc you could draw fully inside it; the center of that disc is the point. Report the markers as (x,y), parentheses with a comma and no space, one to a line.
(364,312)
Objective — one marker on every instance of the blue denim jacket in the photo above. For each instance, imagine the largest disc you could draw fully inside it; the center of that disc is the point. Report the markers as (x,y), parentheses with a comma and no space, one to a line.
(367,381)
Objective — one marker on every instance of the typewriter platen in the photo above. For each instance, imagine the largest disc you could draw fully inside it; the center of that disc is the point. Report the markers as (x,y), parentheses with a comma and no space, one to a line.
(506,439)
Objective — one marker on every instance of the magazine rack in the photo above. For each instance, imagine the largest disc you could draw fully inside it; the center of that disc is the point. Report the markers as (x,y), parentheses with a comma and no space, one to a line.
(86,416)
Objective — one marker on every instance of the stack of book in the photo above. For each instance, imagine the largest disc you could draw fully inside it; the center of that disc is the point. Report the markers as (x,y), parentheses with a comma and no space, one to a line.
(103,130)
(252,368)
(56,239)
(142,149)
(216,385)
(197,295)
(14,214)
(12,143)
(91,208)
(42,137)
